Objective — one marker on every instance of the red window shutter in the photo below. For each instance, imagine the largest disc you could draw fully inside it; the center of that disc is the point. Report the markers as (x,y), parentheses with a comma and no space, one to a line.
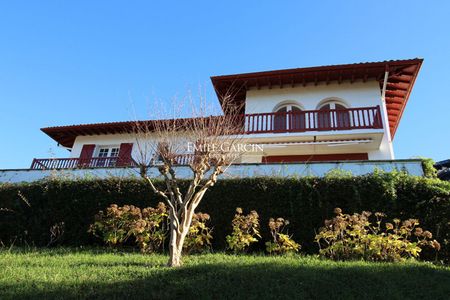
(124,158)
(86,155)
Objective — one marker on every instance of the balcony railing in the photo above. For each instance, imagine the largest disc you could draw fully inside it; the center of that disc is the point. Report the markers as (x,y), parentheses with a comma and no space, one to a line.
(314,120)
(77,163)
(96,162)
(185,159)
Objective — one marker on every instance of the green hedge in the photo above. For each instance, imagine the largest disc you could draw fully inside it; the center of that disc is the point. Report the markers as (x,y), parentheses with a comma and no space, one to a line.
(305,201)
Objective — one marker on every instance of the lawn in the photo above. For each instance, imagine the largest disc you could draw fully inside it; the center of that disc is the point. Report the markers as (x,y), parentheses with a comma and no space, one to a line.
(97,274)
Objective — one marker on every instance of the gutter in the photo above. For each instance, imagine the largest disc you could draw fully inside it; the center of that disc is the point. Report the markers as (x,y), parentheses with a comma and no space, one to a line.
(383,102)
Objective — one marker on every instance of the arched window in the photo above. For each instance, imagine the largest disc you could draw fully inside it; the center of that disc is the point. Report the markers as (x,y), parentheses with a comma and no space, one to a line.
(289,117)
(333,114)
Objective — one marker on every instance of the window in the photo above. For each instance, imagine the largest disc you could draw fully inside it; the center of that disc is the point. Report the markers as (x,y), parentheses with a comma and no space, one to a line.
(162,151)
(107,156)
(103,152)
(108,151)
(289,117)
(114,152)
(333,115)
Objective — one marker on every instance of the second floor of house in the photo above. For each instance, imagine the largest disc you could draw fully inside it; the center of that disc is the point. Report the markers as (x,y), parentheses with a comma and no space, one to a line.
(321,108)
(328,98)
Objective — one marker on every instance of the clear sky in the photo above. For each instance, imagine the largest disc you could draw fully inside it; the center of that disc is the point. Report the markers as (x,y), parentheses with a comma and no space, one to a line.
(67,63)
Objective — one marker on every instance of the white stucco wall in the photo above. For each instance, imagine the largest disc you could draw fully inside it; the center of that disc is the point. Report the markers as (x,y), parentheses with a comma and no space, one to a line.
(103,140)
(310,97)
(413,167)
(357,94)
(141,144)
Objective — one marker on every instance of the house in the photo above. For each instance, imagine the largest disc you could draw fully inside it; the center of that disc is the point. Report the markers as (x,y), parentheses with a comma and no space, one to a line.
(443,169)
(337,113)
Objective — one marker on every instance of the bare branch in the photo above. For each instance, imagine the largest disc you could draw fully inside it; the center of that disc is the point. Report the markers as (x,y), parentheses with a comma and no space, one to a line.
(205,143)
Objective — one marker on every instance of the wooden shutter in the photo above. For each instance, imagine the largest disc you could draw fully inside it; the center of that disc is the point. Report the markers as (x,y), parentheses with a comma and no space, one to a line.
(124,158)
(86,155)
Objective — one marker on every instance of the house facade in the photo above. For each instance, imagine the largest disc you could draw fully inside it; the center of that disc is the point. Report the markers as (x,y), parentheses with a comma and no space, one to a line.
(329,113)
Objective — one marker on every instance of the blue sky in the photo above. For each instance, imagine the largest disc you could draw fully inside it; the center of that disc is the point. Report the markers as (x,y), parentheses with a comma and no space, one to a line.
(67,63)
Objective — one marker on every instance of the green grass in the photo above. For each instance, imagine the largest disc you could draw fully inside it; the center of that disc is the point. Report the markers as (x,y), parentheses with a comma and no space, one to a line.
(73,274)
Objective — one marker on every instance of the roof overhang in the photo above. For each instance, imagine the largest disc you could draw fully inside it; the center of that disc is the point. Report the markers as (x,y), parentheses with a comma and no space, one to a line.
(402,75)
(66,135)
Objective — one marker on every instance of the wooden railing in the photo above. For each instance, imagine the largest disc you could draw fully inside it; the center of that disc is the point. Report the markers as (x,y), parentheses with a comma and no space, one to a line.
(180,159)
(314,120)
(95,162)
(76,163)
(184,159)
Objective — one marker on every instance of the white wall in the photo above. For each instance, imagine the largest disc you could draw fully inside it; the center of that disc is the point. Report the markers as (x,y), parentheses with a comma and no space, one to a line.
(310,97)
(100,140)
(358,94)
(412,166)
(145,143)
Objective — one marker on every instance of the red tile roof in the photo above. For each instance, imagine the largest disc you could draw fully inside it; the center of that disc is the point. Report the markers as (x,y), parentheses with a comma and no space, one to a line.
(66,135)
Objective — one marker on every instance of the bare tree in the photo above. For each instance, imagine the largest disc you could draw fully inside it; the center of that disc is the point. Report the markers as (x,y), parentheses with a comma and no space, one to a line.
(207,144)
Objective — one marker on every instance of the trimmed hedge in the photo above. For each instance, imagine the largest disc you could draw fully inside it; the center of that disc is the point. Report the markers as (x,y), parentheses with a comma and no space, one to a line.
(305,201)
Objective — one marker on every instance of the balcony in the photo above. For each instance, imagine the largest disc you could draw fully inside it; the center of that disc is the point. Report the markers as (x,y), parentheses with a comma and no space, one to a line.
(77,163)
(314,120)
(96,162)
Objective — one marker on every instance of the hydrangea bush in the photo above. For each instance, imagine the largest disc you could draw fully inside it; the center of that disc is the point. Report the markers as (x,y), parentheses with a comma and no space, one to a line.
(366,236)
(245,231)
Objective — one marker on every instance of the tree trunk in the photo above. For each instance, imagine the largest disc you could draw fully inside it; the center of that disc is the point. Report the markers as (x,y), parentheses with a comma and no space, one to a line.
(176,244)
(177,237)
(175,257)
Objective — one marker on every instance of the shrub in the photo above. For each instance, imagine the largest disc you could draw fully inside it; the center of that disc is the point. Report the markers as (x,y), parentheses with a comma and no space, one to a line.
(117,224)
(200,235)
(305,201)
(281,242)
(428,168)
(245,231)
(114,225)
(150,231)
(356,237)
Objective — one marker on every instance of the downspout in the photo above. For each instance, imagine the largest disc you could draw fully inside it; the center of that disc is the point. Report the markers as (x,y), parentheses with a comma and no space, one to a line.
(385,113)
